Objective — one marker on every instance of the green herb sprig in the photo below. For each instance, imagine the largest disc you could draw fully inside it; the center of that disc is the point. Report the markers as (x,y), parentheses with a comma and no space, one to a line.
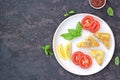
(47,50)
(71,12)
(73,33)
(110,11)
(117,61)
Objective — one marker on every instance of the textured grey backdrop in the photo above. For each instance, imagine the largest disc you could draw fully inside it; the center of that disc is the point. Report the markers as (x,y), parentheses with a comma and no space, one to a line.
(25,25)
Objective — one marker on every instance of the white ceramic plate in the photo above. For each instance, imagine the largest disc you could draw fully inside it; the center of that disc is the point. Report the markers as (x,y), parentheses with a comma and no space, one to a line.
(71,22)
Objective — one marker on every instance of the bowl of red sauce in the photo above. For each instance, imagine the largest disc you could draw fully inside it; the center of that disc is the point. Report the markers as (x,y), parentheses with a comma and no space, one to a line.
(97,4)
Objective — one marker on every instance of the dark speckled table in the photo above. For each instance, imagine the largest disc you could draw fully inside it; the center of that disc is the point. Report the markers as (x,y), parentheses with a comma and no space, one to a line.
(25,25)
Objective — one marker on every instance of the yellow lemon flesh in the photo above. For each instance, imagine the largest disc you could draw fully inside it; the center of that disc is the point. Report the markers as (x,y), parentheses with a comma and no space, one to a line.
(67,49)
(61,51)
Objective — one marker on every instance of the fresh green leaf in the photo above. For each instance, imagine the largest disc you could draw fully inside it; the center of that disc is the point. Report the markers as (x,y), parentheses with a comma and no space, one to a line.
(72,32)
(47,50)
(71,12)
(117,61)
(78,34)
(66,14)
(67,36)
(78,29)
(47,47)
(43,47)
(110,11)
(50,52)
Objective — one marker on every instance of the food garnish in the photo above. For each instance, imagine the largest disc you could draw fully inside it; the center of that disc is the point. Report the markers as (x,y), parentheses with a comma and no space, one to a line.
(81,59)
(94,26)
(61,52)
(68,50)
(110,11)
(65,51)
(73,33)
(89,23)
(66,14)
(86,21)
(117,61)
(71,12)
(47,50)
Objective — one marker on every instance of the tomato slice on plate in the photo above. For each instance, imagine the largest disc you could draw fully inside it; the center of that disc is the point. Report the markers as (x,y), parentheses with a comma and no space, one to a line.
(76,57)
(94,26)
(85,61)
(81,59)
(86,21)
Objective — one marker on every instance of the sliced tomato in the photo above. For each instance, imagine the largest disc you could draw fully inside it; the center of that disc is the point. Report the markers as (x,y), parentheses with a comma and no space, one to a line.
(76,57)
(94,26)
(85,61)
(86,21)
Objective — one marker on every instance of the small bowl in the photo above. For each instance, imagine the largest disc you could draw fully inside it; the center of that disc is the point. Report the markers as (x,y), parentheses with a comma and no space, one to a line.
(97,7)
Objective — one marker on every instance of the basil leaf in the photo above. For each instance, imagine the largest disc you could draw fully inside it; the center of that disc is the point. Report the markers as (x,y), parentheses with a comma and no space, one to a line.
(78,34)
(43,47)
(50,52)
(46,52)
(78,28)
(117,61)
(72,32)
(110,11)
(47,47)
(71,12)
(66,14)
(67,36)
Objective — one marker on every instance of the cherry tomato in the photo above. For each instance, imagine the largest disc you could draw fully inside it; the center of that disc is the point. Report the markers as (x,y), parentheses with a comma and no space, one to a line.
(94,26)
(85,61)
(76,57)
(86,21)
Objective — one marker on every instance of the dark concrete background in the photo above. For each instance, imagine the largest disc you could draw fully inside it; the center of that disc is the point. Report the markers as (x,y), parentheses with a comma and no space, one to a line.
(26,25)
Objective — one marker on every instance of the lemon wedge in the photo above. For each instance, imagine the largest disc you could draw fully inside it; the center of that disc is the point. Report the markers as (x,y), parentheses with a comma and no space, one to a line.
(68,50)
(61,52)
(65,51)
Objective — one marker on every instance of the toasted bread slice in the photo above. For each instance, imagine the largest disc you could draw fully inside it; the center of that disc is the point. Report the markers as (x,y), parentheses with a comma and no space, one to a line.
(98,55)
(104,37)
(88,42)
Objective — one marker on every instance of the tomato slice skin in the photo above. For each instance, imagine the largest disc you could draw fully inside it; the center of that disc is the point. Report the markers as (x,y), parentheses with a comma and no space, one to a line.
(81,59)
(76,57)
(94,26)
(85,61)
(86,21)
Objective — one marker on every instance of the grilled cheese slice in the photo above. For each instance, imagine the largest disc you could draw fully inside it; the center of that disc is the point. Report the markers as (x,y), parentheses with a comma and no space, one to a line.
(104,37)
(88,42)
(98,55)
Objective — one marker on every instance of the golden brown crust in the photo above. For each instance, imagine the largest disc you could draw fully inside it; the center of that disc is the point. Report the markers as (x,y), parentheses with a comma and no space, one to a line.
(88,42)
(98,55)
(105,38)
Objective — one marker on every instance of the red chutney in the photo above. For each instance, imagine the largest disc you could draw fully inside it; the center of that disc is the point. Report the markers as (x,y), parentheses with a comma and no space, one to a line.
(97,3)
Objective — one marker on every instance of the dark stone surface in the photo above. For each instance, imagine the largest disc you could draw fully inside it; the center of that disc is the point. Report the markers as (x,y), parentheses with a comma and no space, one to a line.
(25,25)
